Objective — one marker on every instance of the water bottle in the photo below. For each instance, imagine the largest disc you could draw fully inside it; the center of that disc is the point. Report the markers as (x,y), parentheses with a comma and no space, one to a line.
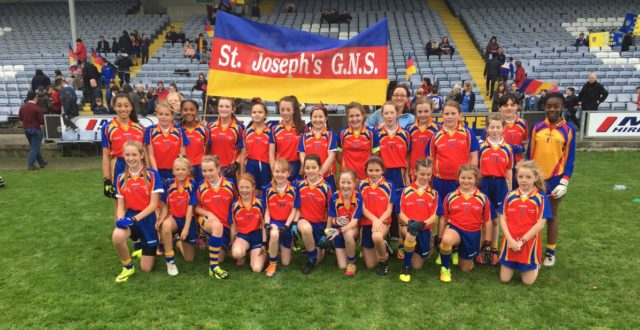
(618,187)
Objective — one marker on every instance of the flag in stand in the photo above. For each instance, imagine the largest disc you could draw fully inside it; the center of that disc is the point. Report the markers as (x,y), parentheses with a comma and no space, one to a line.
(208,29)
(72,56)
(97,60)
(411,67)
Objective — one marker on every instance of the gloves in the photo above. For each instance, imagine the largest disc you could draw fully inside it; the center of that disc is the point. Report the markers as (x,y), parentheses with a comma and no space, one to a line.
(267,227)
(560,190)
(342,221)
(109,190)
(486,252)
(517,149)
(415,227)
(284,229)
(124,223)
(294,231)
(331,233)
(323,243)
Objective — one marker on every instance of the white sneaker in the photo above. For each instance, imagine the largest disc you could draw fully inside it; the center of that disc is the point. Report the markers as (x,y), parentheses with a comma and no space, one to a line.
(172,269)
(549,260)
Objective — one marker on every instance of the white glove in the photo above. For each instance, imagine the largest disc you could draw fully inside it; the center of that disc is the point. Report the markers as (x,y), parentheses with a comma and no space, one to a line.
(560,190)
(342,221)
(331,233)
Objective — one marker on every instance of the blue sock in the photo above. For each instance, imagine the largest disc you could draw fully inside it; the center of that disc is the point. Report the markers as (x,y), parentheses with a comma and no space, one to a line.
(351,260)
(214,250)
(445,259)
(273,259)
(313,255)
(408,257)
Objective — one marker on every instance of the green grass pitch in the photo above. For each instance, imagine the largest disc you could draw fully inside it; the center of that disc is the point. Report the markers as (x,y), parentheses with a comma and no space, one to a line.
(57,269)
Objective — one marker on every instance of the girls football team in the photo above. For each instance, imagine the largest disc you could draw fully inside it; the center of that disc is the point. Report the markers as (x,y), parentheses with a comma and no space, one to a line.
(255,191)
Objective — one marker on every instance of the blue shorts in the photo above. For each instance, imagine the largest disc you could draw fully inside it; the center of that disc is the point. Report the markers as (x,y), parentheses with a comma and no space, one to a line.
(469,242)
(496,189)
(165,174)
(338,241)
(394,175)
(518,266)
(366,241)
(260,171)
(443,187)
(423,244)
(295,171)
(285,237)
(197,173)
(144,229)
(552,183)
(226,238)
(193,229)
(118,168)
(318,230)
(254,239)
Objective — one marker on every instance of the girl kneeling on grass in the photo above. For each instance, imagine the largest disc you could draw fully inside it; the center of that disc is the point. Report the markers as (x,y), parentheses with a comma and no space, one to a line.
(178,201)
(466,210)
(138,191)
(523,216)
(246,218)
(345,208)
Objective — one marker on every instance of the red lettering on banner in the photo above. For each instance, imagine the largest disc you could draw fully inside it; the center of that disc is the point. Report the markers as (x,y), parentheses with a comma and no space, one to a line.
(338,63)
(606,124)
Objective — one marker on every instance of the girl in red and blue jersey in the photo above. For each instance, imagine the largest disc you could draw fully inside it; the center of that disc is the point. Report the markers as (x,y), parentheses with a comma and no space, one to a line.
(255,143)
(197,134)
(552,145)
(496,168)
(215,194)
(279,198)
(516,129)
(138,191)
(345,209)
(522,217)
(356,142)
(420,132)
(225,135)
(164,141)
(466,210)
(246,217)
(286,135)
(322,142)
(378,197)
(312,200)
(176,215)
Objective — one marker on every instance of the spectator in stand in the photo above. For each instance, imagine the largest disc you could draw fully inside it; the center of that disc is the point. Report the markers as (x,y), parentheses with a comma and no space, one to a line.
(400,97)
(94,92)
(89,71)
(114,45)
(436,100)
(506,70)
(238,9)
(592,94)
(426,86)
(99,108)
(40,80)
(181,36)
(554,87)
(81,51)
(540,104)
(345,17)
(497,95)
(124,63)
(520,75)
(31,119)
(151,101)
(637,101)
(515,91)
(627,41)
(418,93)
(124,42)
(55,105)
(201,85)
(188,51)
(501,57)
(139,98)
(432,47)
(173,88)
(64,88)
(112,91)
(330,17)
(69,105)
(211,9)
(571,107)
(531,103)
(445,47)
(468,98)
(145,43)
(160,93)
(57,74)
(135,48)
(491,71)
(581,41)
(201,48)
(255,10)
(42,99)
(291,8)
(455,94)
(77,81)
(103,47)
(172,36)
(492,48)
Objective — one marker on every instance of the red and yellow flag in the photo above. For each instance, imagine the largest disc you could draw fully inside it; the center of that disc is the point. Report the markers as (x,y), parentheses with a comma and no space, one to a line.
(208,29)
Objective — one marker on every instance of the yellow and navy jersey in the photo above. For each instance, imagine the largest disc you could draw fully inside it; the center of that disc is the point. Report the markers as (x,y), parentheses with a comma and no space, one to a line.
(356,148)
(495,159)
(115,135)
(166,144)
(248,217)
(177,198)
(553,148)
(136,188)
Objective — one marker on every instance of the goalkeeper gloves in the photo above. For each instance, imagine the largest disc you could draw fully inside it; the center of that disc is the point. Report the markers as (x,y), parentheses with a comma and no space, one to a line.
(124,223)
(109,190)
(415,227)
(342,221)
(331,233)
(294,231)
(560,190)
(323,243)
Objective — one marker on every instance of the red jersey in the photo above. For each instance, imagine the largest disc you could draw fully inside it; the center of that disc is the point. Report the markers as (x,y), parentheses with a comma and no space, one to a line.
(217,200)
(339,207)
(394,147)
(136,189)
(420,137)
(495,160)
(198,138)
(279,203)
(319,144)
(248,218)
(115,135)
(521,213)
(286,139)
(419,205)
(467,212)
(312,201)
(357,148)
(224,141)
(450,150)
(257,143)
(166,144)
(516,134)
(178,199)
(376,198)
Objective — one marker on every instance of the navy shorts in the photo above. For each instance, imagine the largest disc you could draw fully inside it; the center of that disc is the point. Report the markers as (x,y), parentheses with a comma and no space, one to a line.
(338,241)
(165,174)
(469,242)
(118,168)
(260,171)
(254,239)
(518,266)
(318,230)
(496,189)
(423,244)
(144,229)
(552,183)
(193,231)
(285,237)
(443,187)
(197,173)
(394,175)
(366,241)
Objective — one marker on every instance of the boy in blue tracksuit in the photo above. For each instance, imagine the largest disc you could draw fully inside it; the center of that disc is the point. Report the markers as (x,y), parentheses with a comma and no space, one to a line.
(506,70)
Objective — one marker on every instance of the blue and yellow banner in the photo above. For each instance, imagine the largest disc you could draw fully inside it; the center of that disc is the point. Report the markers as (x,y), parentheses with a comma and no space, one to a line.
(615,39)
(599,39)
(629,24)
(250,59)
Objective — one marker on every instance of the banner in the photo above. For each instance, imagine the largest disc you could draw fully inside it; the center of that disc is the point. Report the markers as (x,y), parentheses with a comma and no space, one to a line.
(629,23)
(534,86)
(411,67)
(613,124)
(250,59)
(599,39)
(97,60)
